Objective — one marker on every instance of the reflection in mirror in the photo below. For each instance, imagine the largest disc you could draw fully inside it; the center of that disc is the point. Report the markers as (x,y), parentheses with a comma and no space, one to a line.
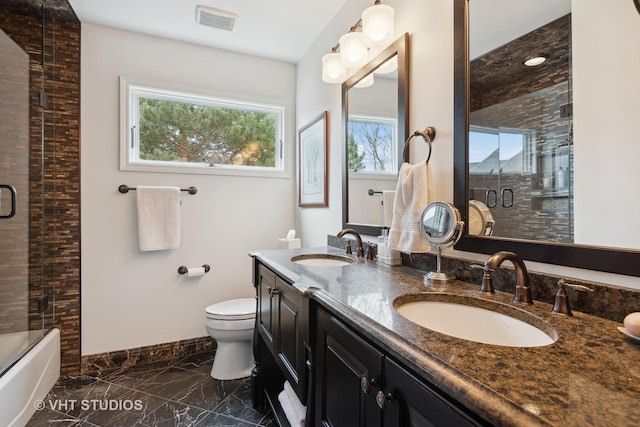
(441,226)
(375,114)
(548,150)
(520,125)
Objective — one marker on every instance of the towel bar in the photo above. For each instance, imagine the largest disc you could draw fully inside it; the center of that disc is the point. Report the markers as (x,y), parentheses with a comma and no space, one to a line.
(124,189)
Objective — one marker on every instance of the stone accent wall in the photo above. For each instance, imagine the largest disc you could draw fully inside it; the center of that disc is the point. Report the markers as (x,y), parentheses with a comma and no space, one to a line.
(54,266)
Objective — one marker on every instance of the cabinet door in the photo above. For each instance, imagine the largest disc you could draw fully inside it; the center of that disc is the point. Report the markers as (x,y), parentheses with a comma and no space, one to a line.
(267,299)
(288,342)
(406,401)
(347,373)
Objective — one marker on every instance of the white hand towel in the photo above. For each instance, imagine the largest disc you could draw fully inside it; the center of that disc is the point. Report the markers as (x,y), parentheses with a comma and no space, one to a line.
(299,408)
(289,411)
(158,218)
(387,206)
(412,196)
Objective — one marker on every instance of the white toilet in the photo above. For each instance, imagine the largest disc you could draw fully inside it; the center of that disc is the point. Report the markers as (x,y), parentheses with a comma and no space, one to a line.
(231,324)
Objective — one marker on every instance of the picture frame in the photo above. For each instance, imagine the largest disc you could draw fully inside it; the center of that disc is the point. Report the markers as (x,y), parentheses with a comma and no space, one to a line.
(313,166)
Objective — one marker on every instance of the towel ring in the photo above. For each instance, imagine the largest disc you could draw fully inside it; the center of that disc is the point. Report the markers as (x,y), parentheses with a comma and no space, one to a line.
(429,134)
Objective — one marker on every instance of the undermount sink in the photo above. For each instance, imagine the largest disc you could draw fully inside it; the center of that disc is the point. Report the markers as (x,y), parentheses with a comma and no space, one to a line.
(476,319)
(322,260)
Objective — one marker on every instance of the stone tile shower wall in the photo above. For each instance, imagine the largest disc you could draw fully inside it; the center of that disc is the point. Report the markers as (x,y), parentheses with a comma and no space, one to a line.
(54,261)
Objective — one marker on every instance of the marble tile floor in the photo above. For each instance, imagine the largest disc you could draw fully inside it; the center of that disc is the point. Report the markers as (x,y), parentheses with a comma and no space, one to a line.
(183,394)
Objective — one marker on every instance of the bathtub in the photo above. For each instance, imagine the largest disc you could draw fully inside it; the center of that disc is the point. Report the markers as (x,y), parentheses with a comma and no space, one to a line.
(30,379)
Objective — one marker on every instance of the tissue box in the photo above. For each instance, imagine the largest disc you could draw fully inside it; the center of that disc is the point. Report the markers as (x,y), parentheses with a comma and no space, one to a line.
(289,243)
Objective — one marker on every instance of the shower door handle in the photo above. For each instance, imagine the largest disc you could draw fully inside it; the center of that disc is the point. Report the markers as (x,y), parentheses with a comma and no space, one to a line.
(12,190)
(491,202)
(505,203)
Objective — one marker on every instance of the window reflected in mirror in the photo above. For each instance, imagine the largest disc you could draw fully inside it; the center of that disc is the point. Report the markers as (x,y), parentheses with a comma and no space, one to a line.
(375,127)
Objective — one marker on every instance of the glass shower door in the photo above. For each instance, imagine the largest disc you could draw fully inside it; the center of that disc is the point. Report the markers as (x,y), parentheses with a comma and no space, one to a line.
(20,324)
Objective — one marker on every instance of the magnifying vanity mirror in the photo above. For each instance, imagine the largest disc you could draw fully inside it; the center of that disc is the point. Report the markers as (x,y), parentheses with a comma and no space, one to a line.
(375,114)
(441,226)
(550,151)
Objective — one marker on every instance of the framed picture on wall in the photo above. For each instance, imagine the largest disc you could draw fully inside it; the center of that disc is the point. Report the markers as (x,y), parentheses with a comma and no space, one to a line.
(313,171)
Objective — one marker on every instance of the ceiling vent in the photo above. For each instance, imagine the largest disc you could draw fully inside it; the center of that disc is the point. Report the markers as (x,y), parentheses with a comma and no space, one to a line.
(215,18)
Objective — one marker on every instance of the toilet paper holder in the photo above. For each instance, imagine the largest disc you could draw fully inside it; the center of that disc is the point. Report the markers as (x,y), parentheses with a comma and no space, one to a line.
(183,269)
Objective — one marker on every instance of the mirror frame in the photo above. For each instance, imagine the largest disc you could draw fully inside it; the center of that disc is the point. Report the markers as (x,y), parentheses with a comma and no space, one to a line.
(607,259)
(399,47)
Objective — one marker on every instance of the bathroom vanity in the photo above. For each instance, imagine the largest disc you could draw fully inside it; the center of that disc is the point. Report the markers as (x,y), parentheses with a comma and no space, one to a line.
(334,333)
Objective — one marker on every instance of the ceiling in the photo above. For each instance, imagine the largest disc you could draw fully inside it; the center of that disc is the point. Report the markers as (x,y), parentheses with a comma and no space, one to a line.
(278,29)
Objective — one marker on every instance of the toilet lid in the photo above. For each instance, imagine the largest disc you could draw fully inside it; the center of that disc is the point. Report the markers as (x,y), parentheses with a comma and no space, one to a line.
(235,309)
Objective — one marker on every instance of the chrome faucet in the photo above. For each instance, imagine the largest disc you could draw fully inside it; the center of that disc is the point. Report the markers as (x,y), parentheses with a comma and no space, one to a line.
(355,234)
(523,291)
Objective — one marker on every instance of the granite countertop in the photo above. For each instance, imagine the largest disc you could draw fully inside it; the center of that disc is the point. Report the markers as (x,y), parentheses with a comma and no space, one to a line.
(589,376)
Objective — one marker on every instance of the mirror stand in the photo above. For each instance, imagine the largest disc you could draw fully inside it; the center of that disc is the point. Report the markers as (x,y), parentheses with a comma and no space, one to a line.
(441,226)
(438,276)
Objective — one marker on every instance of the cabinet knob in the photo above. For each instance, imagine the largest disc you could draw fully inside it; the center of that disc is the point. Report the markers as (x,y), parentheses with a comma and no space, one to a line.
(382,399)
(366,384)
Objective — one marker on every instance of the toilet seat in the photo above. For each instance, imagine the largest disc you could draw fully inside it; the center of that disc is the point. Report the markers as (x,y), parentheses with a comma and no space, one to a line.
(233,310)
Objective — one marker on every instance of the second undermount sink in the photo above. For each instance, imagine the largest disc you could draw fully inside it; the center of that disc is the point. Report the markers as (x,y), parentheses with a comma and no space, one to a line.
(476,319)
(322,260)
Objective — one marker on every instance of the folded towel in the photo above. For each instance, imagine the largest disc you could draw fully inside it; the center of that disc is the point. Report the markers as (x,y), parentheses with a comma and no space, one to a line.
(387,206)
(299,408)
(289,411)
(412,196)
(158,218)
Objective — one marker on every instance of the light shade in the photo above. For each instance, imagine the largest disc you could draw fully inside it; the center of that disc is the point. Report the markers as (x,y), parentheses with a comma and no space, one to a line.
(365,82)
(377,25)
(332,69)
(353,52)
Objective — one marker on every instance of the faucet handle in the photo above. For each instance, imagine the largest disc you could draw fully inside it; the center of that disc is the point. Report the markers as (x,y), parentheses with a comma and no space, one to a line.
(487,281)
(349,251)
(561,305)
(370,250)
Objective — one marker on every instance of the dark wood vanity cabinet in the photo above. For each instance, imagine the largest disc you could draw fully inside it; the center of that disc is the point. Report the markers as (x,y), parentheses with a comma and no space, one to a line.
(345,380)
(281,333)
(357,385)
(347,373)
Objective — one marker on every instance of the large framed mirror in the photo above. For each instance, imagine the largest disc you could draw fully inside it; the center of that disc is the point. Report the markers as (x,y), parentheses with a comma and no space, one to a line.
(375,115)
(549,151)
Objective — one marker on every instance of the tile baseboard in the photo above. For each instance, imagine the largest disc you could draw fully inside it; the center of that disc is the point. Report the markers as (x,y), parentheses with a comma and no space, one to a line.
(143,358)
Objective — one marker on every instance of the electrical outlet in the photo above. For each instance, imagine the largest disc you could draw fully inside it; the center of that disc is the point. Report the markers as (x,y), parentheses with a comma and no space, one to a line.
(566,110)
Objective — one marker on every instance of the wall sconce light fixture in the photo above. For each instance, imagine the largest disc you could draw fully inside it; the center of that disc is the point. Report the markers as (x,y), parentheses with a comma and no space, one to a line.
(352,50)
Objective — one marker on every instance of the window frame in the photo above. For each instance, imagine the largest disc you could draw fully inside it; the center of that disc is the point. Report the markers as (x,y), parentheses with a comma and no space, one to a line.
(377,174)
(130,93)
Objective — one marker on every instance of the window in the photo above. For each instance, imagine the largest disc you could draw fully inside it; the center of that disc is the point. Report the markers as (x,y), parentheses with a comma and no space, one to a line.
(504,150)
(372,145)
(172,131)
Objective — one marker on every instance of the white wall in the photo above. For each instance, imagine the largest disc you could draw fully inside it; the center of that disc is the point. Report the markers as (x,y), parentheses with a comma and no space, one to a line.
(132,299)
(607,141)
(430,24)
